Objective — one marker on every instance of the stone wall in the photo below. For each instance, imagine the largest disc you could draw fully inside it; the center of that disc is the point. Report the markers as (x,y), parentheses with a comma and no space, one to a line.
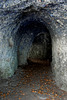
(60,61)
(8,3)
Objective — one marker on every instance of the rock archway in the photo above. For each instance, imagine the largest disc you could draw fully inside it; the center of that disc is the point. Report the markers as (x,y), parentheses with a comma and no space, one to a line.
(13,19)
(34,31)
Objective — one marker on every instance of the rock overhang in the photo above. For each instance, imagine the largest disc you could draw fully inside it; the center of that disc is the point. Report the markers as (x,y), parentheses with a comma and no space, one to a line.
(49,11)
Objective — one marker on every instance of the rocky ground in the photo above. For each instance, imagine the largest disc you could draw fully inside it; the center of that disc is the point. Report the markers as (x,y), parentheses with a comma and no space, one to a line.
(32,82)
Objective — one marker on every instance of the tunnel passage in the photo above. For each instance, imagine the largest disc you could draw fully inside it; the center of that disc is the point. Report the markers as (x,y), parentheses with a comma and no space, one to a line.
(35,43)
(41,47)
(14,40)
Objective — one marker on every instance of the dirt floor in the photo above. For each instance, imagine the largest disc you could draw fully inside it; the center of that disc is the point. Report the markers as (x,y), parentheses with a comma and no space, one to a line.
(31,82)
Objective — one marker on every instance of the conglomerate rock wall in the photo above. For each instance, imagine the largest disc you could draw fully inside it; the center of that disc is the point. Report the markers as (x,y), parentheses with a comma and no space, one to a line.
(15,15)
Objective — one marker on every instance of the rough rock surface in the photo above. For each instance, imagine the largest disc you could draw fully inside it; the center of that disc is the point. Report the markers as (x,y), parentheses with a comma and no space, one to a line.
(15,15)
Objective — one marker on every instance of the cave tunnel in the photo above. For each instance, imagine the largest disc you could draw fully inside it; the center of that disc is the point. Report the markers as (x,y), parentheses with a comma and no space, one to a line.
(35,43)
(33,77)
(33,55)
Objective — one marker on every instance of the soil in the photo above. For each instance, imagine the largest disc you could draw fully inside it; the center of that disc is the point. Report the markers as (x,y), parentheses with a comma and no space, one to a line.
(31,82)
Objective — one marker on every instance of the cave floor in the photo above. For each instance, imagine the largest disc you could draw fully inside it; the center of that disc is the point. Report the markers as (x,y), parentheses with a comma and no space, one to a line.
(32,82)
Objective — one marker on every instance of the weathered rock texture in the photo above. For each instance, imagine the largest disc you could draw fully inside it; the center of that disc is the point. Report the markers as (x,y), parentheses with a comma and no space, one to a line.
(15,16)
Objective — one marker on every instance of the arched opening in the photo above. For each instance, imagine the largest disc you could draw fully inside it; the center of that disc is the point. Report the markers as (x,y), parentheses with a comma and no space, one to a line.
(35,56)
(35,43)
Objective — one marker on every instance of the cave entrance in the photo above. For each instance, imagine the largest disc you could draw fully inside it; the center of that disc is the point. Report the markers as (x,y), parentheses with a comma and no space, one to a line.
(35,45)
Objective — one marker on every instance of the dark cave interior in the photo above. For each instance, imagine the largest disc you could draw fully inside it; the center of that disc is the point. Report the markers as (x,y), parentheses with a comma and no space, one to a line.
(35,41)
